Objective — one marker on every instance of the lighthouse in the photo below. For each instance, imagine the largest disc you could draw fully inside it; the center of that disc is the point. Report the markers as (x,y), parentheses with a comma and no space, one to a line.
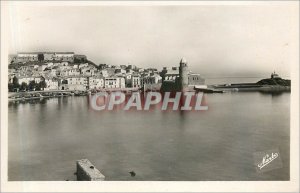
(183,74)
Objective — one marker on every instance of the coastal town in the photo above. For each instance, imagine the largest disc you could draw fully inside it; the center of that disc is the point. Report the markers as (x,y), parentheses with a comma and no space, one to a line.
(49,74)
(67,71)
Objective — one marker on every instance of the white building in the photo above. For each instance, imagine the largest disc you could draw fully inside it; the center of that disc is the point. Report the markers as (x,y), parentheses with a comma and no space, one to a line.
(151,79)
(135,81)
(51,84)
(96,82)
(104,73)
(83,65)
(75,83)
(38,79)
(53,72)
(114,82)
(73,72)
(77,80)
(88,71)
(70,72)
(27,57)
(48,56)
(50,64)
(25,79)
(64,56)
(45,56)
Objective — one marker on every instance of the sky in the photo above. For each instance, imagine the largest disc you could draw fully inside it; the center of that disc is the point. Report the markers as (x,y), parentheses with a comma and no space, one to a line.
(216,40)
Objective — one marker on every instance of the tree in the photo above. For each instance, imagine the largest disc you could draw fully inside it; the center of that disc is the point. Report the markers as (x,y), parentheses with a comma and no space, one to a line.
(43,84)
(38,87)
(24,86)
(16,82)
(31,85)
(10,87)
(14,85)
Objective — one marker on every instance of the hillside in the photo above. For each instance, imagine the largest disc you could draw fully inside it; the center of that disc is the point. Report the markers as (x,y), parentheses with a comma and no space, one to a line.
(274,81)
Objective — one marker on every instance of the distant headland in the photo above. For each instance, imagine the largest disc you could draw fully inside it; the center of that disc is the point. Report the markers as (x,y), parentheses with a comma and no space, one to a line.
(273,84)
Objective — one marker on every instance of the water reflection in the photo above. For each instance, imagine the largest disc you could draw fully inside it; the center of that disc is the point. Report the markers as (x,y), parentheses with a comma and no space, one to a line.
(274,93)
(48,136)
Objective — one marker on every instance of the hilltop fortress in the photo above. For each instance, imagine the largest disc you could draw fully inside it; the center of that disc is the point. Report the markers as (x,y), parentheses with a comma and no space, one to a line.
(22,57)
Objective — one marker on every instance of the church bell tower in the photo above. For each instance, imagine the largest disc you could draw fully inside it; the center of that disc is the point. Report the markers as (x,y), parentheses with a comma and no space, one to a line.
(183,74)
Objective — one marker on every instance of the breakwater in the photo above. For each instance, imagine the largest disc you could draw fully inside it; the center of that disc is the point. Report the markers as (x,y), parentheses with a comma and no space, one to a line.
(254,87)
(265,85)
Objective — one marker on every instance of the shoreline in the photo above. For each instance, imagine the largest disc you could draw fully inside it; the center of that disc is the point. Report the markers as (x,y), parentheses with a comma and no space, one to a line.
(23,96)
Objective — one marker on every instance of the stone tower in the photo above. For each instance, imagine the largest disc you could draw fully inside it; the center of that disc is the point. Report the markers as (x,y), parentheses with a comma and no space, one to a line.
(183,74)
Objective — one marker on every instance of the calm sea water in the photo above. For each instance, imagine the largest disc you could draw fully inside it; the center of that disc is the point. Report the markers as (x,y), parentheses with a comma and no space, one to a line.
(47,137)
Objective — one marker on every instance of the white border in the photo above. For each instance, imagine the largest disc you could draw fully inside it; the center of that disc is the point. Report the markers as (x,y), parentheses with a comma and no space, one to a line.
(147,186)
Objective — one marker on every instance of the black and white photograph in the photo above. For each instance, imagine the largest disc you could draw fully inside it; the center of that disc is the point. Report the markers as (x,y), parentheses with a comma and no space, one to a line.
(150,96)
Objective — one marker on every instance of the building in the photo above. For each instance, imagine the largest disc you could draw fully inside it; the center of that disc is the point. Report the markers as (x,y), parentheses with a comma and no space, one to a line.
(38,79)
(183,74)
(25,79)
(26,57)
(131,67)
(169,74)
(64,56)
(111,82)
(88,71)
(74,83)
(48,56)
(189,78)
(121,81)
(51,83)
(195,79)
(84,65)
(96,82)
(104,73)
(44,56)
(54,71)
(114,82)
(275,76)
(177,79)
(120,71)
(151,82)
(151,79)
(135,81)
(49,64)
(70,72)
(123,66)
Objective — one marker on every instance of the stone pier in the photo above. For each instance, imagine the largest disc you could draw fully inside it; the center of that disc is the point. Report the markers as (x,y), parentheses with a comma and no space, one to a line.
(86,171)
